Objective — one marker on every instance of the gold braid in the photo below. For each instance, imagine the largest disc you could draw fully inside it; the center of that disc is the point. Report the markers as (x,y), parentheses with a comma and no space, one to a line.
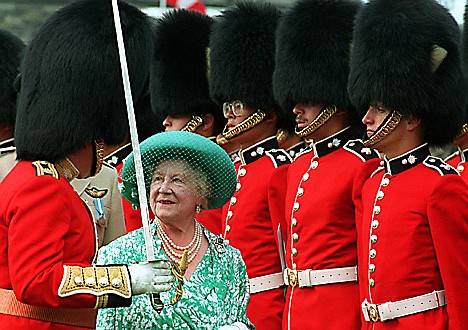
(384,130)
(179,273)
(192,124)
(321,118)
(251,121)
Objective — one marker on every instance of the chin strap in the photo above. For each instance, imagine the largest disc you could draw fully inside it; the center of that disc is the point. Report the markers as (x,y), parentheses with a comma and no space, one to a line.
(249,122)
(192,125)
(98,156)
(282,136)
(464,129)
(325,114)
(387,126)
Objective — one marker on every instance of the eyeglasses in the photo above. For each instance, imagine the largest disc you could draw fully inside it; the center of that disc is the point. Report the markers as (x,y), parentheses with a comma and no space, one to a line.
(237,108)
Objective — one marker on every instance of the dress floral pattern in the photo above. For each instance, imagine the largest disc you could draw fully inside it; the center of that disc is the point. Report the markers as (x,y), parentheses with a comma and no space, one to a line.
(216,294)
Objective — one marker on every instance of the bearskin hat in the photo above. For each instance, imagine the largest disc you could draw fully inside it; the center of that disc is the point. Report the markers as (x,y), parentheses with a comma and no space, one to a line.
(242,55)
(465,54)
(406,54)
(179,72)
(72,91)
(11,48)
(312,53)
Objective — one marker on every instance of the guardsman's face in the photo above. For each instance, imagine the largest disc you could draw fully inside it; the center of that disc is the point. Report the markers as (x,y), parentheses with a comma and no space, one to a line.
(306,113)
(374,117)
(236,113)
(175,123)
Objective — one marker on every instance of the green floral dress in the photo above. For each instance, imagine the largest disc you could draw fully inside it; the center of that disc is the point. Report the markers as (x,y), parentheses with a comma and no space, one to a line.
(216,294)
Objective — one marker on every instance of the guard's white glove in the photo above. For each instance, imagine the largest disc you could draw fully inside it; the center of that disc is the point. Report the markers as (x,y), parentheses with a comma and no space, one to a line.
(151,277)
(234,326)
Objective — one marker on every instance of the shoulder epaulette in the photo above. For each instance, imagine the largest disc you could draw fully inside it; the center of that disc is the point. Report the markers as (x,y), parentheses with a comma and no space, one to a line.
(45,168)
(279,157)
(357,148)
(439,165)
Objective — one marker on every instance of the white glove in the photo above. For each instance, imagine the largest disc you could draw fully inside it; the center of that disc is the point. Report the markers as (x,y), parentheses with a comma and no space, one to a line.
(151,277)
(234,326)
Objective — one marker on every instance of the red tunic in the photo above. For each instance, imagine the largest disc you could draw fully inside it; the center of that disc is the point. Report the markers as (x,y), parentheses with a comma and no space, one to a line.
(44,225)
(458,161)
(413,239)
(248,227)
(322,232)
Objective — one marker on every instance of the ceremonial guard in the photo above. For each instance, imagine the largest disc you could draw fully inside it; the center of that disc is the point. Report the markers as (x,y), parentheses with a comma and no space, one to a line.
(11,48)
(311,74)
(412,218)
(242,48)
(179,84)
(459,158)
(71,101)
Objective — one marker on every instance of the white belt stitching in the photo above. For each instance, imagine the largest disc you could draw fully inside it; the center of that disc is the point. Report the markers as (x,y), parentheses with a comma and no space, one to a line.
(395,309)
(266,282)
(310,277)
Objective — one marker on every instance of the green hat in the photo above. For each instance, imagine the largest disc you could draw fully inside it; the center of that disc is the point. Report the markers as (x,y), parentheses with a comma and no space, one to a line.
(201,153)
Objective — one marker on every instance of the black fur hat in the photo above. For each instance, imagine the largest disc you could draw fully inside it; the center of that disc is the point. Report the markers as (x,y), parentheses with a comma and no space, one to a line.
(179,72)
(465,55)
(242,55)
(396,60)
(72,91)
(11,48)
(312,53)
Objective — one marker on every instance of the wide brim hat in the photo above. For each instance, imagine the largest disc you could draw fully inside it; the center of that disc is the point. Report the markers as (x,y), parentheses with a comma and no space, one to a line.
(71,89)
(179,72)
(11,48)
(313,44)
(242,55)
(406,54)
(201,153)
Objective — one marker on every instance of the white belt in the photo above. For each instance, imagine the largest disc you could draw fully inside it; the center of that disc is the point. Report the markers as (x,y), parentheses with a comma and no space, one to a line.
(396,309)
(309,277)
(266,282)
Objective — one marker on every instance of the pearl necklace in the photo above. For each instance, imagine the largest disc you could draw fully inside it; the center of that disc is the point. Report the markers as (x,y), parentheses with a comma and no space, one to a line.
(173,251)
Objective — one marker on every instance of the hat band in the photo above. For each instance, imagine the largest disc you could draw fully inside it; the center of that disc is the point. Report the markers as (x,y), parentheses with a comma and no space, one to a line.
(319,120)
(385,129)
(192,125)
(248,123)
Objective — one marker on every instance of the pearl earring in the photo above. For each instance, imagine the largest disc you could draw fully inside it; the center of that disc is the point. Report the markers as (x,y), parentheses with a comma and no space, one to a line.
(198,209)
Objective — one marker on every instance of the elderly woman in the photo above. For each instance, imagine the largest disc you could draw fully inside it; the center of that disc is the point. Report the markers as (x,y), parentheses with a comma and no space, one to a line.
(185,173)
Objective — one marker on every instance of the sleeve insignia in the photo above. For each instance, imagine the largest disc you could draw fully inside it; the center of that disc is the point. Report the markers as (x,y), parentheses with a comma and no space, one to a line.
(357,147)
(45,168)
(439,165)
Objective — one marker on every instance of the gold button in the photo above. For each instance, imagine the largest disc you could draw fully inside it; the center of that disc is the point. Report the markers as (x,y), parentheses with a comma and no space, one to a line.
(305,177)
(242,172)
(228,228)
(103,281)
(371,282)
(295,237)
(238,186)
(90,281)
(229,214)
(385,182)
(375,224)
(300,191)
(78,280)
(233,200)
(372,253)
(294,222)
(116,282)
(373,239)
(294,252)
(380,195)
(371,268)
(296,206)
(314,164)
(377,209)
(460,168)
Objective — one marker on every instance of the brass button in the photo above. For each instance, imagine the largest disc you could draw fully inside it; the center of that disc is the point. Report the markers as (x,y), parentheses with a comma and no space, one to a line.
(233,200)
(295,237)
(90,281)
(380,195)
(228,228)
(116,282)
(314,164)
(229,214)
(372,253)
(377,209)
(305,177)
(371,268)
(385,182)
(103,281)
(296,206)
(242,172)
(371,282)
(460,168)
(294,252)
(300,191)
(375,224)
(78,280)
(373,239)
(238,186)
(294,222)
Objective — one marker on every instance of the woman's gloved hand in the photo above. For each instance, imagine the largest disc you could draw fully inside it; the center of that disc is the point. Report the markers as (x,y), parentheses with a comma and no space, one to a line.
(151,277)
(234,326)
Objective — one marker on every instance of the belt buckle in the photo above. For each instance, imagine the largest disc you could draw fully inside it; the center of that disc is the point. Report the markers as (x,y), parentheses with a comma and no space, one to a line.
(292,277)
(373,311)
